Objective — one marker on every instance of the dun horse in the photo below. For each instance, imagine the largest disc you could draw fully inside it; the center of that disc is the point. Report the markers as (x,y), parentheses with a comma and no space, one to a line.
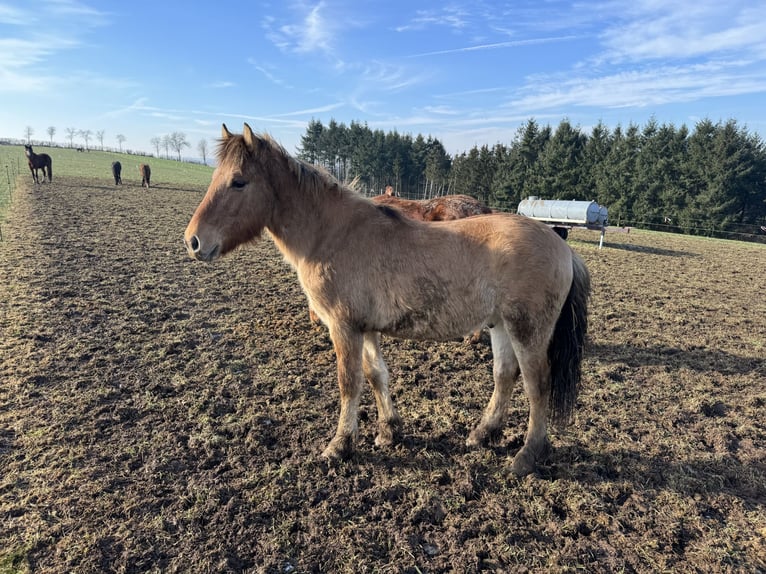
(443,208)
(368,270)
(146,174)
(116,171)
(39,161)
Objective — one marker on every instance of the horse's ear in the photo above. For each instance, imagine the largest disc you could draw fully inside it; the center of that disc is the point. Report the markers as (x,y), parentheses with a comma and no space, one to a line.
(225,133)
(249,136)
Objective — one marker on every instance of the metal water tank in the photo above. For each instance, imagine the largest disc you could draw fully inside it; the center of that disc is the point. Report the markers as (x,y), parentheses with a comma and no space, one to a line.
(563,211)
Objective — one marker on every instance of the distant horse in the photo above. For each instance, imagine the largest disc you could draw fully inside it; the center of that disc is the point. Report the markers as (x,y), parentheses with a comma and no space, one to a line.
(39,161)
(442,208)
(367,270)
(116,171)
(146,174)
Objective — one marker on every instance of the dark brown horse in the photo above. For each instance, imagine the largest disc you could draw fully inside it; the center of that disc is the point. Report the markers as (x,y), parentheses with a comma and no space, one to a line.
(39,161)
(116,171)
(368,270)
(146,174)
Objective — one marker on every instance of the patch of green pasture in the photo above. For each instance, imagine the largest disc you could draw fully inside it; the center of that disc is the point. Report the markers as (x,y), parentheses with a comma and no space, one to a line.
(68,162)
(15,562)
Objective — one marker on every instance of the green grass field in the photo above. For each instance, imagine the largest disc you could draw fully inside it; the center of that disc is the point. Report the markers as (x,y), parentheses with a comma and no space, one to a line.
(68,162)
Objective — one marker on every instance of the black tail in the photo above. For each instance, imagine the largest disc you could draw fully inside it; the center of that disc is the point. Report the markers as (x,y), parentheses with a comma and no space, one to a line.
(566,347)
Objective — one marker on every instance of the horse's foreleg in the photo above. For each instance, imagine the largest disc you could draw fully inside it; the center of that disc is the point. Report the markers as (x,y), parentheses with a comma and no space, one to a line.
(505,371)
(376,373)
(348,352)
(536,374)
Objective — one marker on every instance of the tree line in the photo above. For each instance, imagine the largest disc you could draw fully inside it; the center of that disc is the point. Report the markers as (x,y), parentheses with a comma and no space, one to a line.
(175,141)
(710,180)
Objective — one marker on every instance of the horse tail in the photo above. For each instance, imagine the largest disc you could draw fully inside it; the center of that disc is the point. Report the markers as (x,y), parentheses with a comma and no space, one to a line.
(566,347)
(50,170)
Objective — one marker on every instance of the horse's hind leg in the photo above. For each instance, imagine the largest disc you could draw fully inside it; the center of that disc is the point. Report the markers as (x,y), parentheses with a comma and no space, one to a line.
(535,371)
(376,373)
(505,371)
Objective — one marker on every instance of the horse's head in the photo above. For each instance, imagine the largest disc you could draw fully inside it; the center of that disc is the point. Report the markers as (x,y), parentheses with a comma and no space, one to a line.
(28,150)
(240,199)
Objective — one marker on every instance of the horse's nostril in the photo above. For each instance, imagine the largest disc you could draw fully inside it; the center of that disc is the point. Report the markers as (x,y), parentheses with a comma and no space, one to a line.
(194,243)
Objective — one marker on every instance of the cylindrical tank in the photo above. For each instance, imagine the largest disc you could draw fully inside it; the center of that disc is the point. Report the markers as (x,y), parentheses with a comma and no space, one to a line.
(563,211)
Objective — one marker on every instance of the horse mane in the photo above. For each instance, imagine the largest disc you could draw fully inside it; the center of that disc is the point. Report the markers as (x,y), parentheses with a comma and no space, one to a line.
(233,153)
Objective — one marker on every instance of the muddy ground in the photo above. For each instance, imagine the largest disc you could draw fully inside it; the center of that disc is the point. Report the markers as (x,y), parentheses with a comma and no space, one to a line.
(163,415)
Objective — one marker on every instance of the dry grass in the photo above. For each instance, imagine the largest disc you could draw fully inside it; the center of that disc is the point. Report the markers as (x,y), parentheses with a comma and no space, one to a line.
(161,415)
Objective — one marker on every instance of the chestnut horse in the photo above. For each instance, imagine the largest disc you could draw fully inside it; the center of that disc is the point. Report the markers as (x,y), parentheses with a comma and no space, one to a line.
(368,270)
(116,171)
(442,208)
(39,161)
(146,174)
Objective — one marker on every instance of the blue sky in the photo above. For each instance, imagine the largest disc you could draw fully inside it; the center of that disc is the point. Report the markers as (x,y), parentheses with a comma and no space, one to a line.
(467,72)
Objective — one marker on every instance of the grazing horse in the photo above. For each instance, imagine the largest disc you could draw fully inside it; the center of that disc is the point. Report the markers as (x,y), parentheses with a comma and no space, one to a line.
(39,161)
(146,174)
(116,171)
(368,270)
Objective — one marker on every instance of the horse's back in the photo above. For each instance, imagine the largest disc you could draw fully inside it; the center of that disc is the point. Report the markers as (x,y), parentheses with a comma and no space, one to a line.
(441,280)
(409,207)
(458,206)
(506,249)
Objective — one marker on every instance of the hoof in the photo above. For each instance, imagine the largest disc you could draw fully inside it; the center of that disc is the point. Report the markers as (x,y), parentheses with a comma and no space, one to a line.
(477,438)
(525,461)
(481,436)
(340,448)
(523,464)
(388,433)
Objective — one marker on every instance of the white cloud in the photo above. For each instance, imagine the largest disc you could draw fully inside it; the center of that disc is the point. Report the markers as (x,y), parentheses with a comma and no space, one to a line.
(221,85)
(311,33)
(497,45)
(686,29)
(451,16)
(15,17)
(33,37)
(652,86)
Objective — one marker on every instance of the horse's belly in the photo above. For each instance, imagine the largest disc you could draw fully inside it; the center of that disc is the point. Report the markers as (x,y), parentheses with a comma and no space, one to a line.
(438,323)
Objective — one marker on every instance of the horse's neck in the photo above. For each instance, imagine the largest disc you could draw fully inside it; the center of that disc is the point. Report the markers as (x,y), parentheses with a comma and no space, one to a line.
(303,222)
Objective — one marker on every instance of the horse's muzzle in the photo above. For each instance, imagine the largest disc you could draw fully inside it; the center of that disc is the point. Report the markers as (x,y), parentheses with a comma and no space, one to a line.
(194,248)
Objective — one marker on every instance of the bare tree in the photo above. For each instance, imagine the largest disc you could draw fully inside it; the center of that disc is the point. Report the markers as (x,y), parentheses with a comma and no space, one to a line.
(100,138)
(28,131)
(202,148)
(51,133)
(156,143)
(120,139)
(178,142)
(70,133)
(85,135)
(166,145)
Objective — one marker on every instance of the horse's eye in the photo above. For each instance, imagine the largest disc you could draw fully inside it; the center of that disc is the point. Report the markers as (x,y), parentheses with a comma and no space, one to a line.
(238,183)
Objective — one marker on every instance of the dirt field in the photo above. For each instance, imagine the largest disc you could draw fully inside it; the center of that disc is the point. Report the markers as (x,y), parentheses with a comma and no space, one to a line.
(163,415)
